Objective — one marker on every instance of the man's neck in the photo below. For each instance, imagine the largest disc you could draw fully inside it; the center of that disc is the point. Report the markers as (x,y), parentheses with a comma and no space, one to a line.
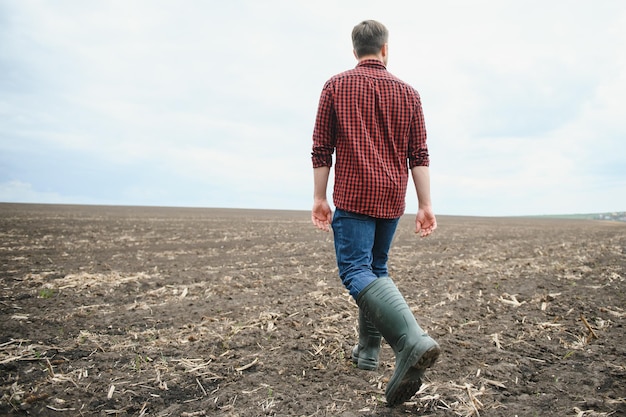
(370,57)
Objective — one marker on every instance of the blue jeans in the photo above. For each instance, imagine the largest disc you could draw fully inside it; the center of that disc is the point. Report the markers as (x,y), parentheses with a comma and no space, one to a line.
(362,247)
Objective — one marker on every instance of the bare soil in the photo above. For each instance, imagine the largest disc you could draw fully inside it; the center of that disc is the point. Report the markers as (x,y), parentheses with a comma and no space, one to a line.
(122,311)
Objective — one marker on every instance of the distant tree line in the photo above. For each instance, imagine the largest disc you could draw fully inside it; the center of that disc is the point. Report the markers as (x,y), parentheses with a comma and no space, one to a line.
(619,216)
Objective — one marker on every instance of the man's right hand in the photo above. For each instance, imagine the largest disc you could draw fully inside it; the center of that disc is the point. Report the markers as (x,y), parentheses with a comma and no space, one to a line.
(425,222)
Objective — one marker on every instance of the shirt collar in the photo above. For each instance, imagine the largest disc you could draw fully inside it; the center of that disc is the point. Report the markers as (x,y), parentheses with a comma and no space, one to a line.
(371,63)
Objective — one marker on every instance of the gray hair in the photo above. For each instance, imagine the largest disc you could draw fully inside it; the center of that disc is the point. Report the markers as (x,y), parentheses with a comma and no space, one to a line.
(368,37)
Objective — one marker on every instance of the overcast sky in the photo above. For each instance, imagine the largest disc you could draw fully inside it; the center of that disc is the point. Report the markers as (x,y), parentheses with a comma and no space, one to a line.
(212,103)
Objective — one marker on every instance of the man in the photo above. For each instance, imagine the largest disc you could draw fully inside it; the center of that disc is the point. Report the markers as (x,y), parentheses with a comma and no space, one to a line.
(375,123)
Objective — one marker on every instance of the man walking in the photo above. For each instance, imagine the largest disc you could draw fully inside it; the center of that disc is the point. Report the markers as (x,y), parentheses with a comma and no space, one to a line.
(375,123)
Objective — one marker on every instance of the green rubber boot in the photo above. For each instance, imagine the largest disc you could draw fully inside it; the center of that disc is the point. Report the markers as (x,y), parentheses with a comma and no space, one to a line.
(415,351)
(365,353)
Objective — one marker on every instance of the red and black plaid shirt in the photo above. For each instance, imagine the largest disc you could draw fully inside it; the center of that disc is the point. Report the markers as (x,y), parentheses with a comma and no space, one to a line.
(375,122)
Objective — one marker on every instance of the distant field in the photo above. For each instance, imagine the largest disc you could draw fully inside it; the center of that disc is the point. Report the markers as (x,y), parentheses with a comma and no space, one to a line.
(619,216)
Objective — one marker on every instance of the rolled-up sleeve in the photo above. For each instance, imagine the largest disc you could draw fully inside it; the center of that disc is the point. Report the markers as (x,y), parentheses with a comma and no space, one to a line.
(325,130)
(418,149)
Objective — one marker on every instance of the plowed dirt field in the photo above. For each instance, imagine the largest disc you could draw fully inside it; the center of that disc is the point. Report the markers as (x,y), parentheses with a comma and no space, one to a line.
(139,311)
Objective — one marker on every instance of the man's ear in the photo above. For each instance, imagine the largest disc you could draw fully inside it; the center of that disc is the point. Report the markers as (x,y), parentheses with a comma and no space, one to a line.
(355,55)
(385,50)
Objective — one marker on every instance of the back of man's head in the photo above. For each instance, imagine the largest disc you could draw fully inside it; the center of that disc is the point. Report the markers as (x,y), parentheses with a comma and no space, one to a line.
(368,38)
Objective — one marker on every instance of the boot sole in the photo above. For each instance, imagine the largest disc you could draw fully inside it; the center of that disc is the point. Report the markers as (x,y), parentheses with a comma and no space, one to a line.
(411,378)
